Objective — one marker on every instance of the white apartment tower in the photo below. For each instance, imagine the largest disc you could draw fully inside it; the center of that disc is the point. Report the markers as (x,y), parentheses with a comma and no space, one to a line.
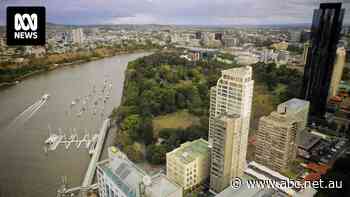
(232,96)
(78,35)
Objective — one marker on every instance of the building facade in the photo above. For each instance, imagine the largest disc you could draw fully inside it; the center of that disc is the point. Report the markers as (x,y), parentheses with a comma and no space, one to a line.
(277,133)
(224,151)
(338,68)
(78,36)
(305,52)
(325,35)
(232,95)
(188,165)
(119,177)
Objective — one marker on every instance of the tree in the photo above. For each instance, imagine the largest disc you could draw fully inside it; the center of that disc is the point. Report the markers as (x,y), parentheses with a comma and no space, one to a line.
(133,153)
(131,93)
(295,49)
(168,99)
(146,130)
(156,154)
(123,139)
(131,124)
(195,105)
(346,74)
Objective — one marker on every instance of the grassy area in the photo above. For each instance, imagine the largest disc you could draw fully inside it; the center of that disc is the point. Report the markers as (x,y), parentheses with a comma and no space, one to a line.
(181,119)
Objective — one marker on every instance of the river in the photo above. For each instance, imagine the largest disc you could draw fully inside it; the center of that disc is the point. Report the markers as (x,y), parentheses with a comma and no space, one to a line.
(26,170)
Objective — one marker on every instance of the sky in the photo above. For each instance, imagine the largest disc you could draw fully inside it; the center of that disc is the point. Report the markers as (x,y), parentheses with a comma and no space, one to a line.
(180,12)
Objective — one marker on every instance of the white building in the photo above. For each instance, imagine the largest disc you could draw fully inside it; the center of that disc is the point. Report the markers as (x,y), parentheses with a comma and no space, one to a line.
(78,36)
(295,36)
(233,95)
(119,177)
(283,57)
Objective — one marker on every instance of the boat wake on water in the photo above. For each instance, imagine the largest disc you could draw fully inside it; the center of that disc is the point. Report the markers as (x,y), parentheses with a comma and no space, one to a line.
(29,112)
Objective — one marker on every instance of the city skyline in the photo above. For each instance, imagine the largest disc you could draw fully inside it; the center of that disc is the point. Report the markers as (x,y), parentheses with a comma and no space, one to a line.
(193,12)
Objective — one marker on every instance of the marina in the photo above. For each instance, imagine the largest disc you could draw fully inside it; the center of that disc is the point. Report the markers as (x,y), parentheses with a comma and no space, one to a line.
(54,140)
(29,170)
(87,184)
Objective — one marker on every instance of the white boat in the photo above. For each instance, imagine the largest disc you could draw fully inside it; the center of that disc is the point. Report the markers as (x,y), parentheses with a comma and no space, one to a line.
(52,139)
(45,97)
(73,103)
(56,142)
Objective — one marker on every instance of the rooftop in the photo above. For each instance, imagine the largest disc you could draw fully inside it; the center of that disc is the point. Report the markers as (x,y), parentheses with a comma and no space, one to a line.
(197,49)
(306,140)
(243,71)
(245,191)
(293,105)
(162,187)
(190,151)
(124,174)
(128,177)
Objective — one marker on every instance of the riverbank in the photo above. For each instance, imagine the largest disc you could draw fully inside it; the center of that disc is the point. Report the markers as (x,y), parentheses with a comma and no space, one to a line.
(43,172)
(54,66)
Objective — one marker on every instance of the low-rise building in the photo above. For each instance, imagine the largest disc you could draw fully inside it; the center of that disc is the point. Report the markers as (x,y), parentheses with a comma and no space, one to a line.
(119,177)
(280,46)
(188,165)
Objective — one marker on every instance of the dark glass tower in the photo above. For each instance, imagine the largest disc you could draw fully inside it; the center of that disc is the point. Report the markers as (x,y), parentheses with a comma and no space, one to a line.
(325,34)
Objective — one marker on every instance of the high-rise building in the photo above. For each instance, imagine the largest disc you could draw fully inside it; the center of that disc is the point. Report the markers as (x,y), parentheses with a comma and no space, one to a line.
(188,165)
(198,35)
(276,137)
(337,71)
(224,152)
(78,36)
(295,36)
(305,52)
(325,35)
(233,95)
(305,36)
(218,36)
(230,41)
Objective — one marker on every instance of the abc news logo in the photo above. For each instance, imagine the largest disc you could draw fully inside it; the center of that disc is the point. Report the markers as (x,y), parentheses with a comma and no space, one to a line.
(26,25)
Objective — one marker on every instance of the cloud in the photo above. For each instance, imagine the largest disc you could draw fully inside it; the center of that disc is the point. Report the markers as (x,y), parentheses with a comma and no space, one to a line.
(210,12)
(137,19)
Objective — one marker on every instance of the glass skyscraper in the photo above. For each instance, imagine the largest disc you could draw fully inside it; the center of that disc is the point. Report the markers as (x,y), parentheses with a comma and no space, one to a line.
(325,34)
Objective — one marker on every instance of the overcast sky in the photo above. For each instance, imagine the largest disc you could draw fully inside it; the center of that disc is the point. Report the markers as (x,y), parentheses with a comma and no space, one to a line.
(187,12)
